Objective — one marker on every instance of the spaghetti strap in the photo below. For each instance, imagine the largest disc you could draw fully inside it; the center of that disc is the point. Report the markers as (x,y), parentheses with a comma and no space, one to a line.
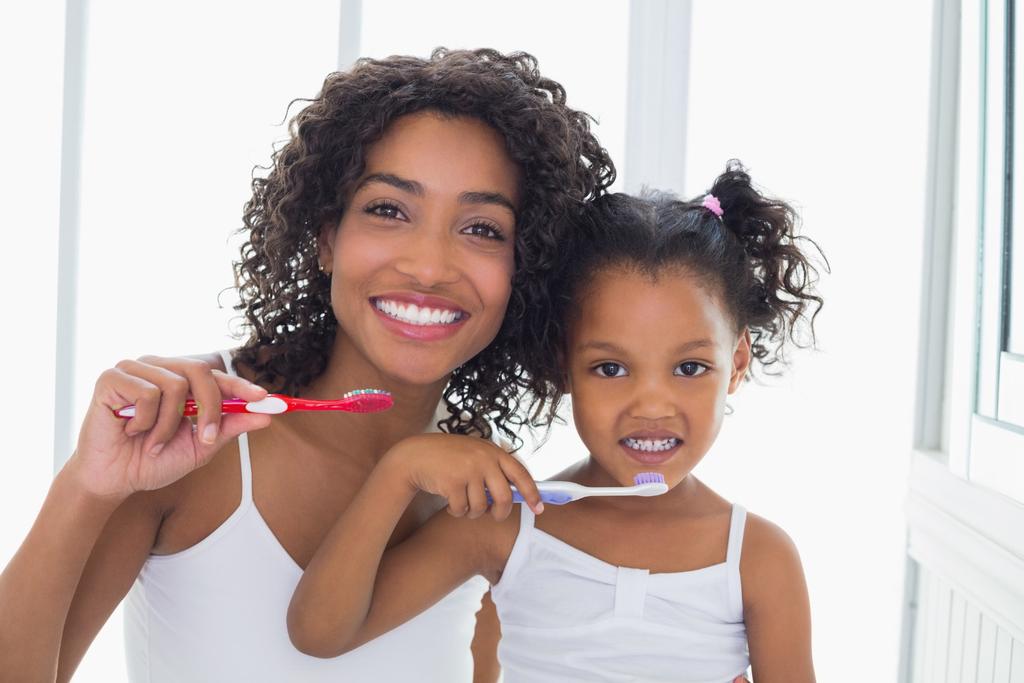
(736,526)
(225,355)
(732,557)
(526,518)
(243,439)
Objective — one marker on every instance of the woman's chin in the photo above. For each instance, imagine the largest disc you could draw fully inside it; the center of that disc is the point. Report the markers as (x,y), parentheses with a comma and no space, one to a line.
(413,372)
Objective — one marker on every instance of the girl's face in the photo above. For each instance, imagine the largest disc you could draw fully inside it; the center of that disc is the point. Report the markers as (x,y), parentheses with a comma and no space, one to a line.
(422,260)
(651,362)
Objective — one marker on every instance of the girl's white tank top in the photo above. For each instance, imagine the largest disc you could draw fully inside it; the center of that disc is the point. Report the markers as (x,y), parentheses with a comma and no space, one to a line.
(569,617)
(216,612)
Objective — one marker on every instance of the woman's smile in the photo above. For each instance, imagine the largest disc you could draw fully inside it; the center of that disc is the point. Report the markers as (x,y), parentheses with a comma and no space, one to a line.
(419,316)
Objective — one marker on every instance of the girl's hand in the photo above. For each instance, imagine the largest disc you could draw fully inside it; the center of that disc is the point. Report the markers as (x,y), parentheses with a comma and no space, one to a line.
(463,470)
(116,457)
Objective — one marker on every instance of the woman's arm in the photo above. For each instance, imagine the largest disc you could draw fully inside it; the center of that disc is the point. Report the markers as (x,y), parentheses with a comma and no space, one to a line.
(94,531)
(775,606)
(353,591)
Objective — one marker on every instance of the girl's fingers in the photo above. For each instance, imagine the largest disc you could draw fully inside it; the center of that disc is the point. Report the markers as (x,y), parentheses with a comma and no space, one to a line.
(515,472)
(458,502)
(501,495)
(477,499)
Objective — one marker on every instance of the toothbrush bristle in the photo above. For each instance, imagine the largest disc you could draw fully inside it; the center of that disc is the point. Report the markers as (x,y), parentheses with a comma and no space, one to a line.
(648,478)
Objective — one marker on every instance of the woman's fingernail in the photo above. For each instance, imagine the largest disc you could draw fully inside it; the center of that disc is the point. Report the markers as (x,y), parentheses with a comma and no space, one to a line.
(155,450)
(539,509)
(210,433)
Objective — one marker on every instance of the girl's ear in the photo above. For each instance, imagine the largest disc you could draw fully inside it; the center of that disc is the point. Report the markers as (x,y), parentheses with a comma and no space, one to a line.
(740,361)
(325,247)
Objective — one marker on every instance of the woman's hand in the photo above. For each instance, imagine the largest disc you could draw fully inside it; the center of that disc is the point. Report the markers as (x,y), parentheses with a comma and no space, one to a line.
(463,470)
(116,457)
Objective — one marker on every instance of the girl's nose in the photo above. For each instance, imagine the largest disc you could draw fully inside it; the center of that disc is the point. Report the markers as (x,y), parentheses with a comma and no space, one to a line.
(653,400)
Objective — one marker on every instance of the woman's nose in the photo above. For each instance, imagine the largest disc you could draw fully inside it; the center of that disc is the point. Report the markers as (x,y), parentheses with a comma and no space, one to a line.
(428,257)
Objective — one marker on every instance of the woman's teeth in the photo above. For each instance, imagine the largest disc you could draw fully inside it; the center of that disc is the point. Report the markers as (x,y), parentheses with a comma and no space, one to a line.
(417,315)
(651,445)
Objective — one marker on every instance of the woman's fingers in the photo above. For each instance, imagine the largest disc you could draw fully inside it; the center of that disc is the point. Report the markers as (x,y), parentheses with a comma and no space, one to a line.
(515,472)
(231,427)
(159,411)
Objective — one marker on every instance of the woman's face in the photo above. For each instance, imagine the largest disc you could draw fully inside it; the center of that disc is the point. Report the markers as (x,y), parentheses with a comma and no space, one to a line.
(422,260)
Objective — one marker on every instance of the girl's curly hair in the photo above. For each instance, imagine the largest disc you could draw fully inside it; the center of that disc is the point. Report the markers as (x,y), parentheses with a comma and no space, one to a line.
(285,299)
(749,253)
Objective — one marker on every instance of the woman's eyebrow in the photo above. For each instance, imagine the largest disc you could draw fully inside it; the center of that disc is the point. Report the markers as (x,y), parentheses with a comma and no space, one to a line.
(410,186)
(413,187)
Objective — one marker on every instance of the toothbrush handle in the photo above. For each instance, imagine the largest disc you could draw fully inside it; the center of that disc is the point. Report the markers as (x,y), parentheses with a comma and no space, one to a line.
(550,497)
(231,405)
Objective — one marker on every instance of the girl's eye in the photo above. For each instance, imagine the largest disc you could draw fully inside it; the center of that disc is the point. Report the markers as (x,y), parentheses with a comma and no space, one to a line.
(485,230)
(610,370)
(691,369)
(385,210)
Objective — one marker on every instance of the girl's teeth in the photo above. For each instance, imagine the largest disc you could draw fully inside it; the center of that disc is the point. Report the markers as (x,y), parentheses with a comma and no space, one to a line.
(414,315)
(651,444)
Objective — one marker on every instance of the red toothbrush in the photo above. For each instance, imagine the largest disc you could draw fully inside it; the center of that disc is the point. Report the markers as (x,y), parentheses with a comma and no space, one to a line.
(358,401)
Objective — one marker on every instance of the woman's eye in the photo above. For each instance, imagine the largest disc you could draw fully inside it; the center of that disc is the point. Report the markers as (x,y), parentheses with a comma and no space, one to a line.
(610,370)
(485,230)
(385,210)
(691,369)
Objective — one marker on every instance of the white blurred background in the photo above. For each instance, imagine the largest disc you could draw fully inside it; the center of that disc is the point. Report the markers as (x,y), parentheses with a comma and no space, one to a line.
(826,104)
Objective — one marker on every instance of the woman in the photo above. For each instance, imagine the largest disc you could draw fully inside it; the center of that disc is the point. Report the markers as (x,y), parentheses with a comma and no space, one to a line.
(397,243)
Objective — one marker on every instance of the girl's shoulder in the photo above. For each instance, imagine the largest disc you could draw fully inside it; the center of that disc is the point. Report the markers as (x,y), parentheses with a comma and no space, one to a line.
(769,562)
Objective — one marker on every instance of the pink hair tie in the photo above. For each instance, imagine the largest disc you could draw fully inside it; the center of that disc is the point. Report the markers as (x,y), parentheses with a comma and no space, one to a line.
(712,204)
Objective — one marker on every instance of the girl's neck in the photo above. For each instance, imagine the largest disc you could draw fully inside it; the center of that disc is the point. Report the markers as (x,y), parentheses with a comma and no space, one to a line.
(368,436)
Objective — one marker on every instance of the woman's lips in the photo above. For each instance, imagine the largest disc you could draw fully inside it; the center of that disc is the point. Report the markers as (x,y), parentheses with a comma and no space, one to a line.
(419,318)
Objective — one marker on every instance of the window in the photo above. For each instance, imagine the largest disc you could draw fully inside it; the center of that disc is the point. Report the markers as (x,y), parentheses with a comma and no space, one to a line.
(987,399)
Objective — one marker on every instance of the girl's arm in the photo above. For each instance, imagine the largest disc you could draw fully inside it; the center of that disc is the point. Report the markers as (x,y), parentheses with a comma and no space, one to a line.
(353,591)
(94,532)
(775,606)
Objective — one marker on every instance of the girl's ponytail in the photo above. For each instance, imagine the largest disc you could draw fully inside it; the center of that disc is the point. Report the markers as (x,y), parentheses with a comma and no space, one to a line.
(778,276)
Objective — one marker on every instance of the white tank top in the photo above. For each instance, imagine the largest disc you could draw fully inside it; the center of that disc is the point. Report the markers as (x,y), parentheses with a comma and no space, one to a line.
(216,612)
(568,617)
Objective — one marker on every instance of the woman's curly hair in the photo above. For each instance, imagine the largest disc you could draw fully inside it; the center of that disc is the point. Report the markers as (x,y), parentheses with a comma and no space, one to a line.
(285,299)
(751,256)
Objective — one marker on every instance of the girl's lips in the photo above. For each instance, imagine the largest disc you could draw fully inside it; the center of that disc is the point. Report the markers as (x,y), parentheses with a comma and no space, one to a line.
(650,457)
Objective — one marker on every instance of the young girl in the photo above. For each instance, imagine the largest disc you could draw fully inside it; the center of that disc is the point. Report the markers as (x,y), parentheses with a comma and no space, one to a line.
(666,307)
